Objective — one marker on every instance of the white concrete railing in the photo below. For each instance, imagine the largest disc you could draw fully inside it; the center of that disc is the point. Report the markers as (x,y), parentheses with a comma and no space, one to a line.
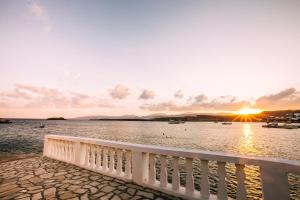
(136,163)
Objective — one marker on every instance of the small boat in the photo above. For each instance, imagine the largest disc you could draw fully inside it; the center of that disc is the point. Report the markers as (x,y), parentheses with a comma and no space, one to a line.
(176,122)
(40,126)
(5,121)
(270,125)
(226,123)
(289,126)
(276,125)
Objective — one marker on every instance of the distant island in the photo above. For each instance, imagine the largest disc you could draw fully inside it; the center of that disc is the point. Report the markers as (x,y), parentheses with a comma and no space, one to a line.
(56,118)
(5,121)
(265,116)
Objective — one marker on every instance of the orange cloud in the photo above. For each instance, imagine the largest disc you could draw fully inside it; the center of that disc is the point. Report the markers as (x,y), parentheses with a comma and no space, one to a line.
(119,92)
(29,96)
(147,94)
(196,106)
(285,99)
(178,94)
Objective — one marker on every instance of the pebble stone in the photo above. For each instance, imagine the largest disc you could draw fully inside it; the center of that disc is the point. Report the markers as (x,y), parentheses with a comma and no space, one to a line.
(44,178)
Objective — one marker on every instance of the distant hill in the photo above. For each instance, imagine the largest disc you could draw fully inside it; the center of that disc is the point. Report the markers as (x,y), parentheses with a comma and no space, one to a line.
(95,117)
(279,112)
(132,117)
(194,116)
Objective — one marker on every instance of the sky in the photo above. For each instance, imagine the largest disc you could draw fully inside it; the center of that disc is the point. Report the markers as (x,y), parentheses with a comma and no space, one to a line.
(119,57)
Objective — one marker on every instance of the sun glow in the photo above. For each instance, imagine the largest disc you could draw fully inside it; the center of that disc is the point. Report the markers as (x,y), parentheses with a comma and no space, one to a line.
(248,111)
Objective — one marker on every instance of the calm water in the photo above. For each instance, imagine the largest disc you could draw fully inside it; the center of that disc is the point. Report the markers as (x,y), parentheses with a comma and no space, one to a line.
(244,138)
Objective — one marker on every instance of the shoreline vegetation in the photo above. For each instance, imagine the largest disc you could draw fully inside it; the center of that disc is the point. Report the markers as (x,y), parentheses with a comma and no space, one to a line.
(265,116)
(5,121)
(285,116)
(56,118)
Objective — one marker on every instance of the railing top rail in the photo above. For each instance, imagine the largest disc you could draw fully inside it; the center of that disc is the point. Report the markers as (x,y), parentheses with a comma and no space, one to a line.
(292,166)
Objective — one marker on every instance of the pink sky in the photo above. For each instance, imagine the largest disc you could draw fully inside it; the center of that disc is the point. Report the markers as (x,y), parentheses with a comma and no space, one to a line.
(146,57)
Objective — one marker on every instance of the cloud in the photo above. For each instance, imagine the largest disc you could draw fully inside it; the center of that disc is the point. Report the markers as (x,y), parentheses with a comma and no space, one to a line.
(40,14)
(16,93)
(30,96)
(200,98)
(119,92)
(196,106)
(147,94)
(285,99)
(178,94)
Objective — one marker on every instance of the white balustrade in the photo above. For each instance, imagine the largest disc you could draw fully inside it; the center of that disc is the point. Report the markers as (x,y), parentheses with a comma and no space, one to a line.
(240,176)
(222,190)
(108,157)
(163,171)
(204,180)
(152,169)
(175,175)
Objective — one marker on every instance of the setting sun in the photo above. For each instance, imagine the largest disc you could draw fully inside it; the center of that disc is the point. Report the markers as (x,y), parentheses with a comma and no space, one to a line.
(247,111)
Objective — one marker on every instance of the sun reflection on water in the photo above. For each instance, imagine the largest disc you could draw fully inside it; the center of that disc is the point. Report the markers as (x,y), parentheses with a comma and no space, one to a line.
(246,140)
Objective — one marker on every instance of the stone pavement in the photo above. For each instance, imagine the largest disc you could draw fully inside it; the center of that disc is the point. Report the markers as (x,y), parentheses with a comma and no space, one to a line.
(43,178)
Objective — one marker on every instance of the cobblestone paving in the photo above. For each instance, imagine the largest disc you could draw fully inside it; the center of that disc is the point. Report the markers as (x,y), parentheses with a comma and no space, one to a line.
(43,178)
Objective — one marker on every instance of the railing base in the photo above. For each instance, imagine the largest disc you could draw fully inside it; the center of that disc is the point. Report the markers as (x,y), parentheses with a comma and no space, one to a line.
(106,173)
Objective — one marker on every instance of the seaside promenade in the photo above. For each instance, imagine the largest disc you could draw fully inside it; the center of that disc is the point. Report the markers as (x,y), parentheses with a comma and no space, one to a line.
(44,178)
(87,168)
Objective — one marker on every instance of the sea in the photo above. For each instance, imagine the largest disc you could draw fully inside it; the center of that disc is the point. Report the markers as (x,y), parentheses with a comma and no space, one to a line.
(245,138)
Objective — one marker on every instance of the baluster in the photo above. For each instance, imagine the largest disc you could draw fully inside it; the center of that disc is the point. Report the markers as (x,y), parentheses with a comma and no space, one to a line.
(274,181)
(175,174)
(189,177)
(152,169)
(50,147)
(204,180)
(73,152)
(98,164)
(60,149)
(87,155)
(222,190)
(67,150)
(55,148)
(128,164)
(119,161)
(63,150)
(163,171)
(53,153)
(66,145)
(70,152)
(240,176)
(111,160)
(82,156)
(93,158)
(105,159)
